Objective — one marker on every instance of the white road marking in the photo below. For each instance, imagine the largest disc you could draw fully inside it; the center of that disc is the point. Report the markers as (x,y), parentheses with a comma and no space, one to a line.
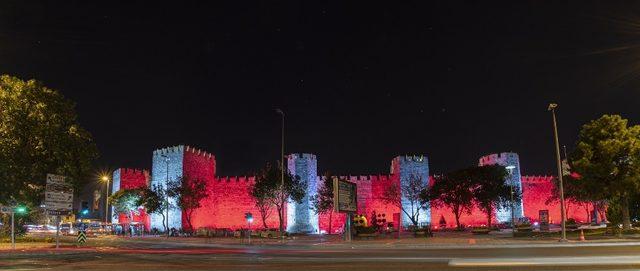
(548,261)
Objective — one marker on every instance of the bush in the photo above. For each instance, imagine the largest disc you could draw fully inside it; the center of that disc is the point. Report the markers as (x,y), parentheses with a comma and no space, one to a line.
(480,230)
(365,230)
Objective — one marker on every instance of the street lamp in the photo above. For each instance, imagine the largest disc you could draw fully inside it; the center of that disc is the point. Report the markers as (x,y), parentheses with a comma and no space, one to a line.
(282,170)
(513,215)
(552,107)
(166,187)
(105,178)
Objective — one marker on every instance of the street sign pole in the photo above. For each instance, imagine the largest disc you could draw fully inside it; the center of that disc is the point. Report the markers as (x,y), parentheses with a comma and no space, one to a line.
(348,230)
(57,231)
(13,232)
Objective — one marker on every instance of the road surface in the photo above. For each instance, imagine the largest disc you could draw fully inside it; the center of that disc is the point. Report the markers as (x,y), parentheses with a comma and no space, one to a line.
(549,257)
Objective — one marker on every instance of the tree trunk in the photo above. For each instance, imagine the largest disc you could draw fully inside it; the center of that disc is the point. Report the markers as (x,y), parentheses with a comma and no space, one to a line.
(456,212)
(489,218)
(264,219)
(626,219)
(164,222)
(330,220)
(281,219)
(189,214)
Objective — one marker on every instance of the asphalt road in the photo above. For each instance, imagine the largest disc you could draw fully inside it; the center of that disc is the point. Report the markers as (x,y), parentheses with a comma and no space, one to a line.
(281,258)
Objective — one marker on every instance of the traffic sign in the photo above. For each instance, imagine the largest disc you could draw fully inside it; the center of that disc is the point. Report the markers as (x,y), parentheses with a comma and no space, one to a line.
(55,179)
(82,237)
(58,205)
(58,197)
(6,209)
(345,196)
(58,212)
(58,194)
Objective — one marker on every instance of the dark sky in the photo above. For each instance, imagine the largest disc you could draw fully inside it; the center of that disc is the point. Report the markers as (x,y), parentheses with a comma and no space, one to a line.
(360,81)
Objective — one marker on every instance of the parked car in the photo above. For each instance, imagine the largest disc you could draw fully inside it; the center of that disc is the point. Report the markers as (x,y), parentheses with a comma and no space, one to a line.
(270,233)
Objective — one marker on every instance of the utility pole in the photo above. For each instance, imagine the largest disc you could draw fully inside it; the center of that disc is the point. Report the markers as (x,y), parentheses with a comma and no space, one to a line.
(552,108)
(282,172)
(511,184)
(105,178)
(166,187)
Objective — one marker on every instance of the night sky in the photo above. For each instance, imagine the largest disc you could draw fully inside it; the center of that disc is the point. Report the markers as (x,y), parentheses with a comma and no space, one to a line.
(360,81)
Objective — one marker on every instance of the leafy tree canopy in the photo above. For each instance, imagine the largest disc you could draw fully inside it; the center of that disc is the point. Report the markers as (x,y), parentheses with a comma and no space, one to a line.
(39,134)
(607,157)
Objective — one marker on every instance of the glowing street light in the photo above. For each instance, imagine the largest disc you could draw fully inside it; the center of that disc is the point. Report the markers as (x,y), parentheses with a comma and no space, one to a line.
(105,178)
(513,215)
(552,108)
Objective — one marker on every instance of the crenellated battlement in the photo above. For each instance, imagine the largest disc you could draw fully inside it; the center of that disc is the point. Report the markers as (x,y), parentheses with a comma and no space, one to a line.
(169,150)
(236,179)
(536,178)
(307,156)
(367,178)
(134,171)
(411,158)
(493,158)
(199,152)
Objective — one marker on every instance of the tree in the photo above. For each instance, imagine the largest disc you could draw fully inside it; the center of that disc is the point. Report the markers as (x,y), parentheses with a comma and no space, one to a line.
(412,191)
(489,189)
(323,201)
(127,202)
(189,193)
(154,202)
(39,134)
(452,190)
(269,180)
(607,158)
(263,197)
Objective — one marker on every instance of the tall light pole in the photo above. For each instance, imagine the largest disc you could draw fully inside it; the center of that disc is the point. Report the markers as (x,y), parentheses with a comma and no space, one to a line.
(552,108)
(166,189)
(282,171)
(513,215)
(106,179)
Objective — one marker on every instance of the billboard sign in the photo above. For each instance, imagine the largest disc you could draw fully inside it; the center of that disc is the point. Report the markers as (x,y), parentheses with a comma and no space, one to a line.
(58,194)
(345,197)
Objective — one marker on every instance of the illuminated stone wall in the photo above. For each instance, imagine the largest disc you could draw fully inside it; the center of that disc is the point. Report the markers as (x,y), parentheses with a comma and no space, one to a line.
(404,168)
(167,166)
(537,195)
(511,161)
(230,197)
(301,217)
(125,178)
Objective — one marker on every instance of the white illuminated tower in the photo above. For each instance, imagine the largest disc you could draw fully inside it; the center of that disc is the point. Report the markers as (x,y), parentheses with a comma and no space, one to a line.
(404,168)
(510,161)
(300,217)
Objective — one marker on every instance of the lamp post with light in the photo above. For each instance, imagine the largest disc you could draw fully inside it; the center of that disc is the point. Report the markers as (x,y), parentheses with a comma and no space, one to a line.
(513,215)
(166,187)
(552,107)
(106,179)
(282,170)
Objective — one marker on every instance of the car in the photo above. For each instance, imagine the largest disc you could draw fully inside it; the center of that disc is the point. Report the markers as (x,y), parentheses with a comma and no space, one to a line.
(269,233)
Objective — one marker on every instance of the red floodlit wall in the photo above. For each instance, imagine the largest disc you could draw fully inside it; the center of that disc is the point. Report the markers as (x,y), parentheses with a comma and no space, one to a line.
(369,201)
(536,195)
(474,218)
(133,179)
(200,165)
(230,198)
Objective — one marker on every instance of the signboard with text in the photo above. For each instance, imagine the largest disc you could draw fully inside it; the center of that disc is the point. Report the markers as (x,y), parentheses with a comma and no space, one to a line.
(544,220)
(58,195)
(345,198)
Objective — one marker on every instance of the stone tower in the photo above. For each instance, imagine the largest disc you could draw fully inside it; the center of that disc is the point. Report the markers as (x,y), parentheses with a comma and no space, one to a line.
(300,217)
(403,168)
(175,164)
(511,161)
